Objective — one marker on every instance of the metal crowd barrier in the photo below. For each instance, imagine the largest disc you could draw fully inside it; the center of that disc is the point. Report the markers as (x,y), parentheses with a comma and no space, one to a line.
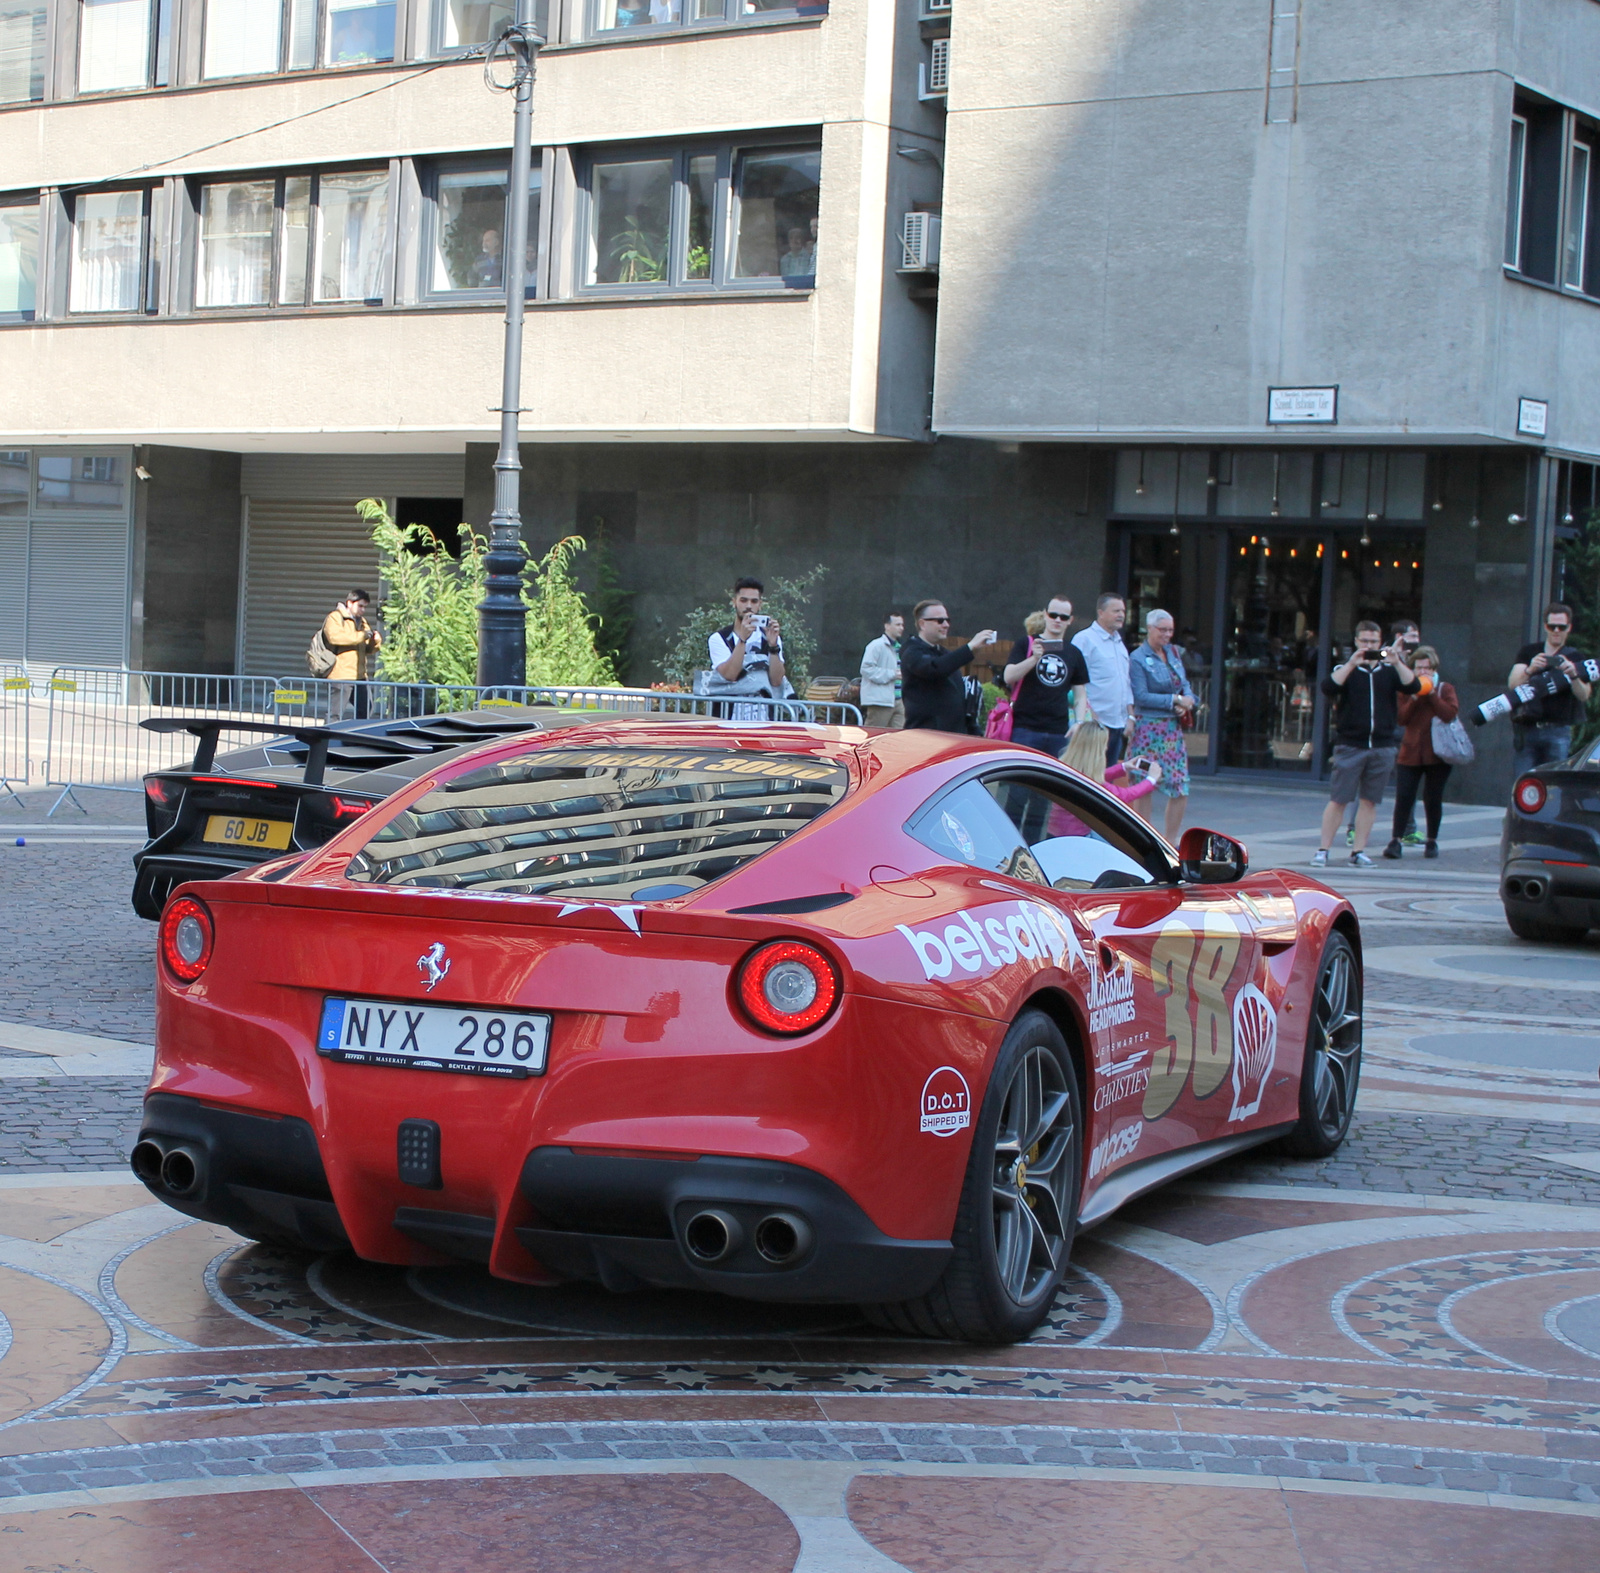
(93,737)
(16,694)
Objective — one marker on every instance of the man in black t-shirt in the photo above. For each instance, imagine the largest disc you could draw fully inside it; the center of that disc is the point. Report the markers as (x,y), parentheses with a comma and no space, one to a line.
(1542,728)
(1041,683)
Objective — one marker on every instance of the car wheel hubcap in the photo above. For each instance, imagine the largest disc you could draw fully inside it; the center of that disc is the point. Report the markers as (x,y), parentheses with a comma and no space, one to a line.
(1336,1034)
(1033,1176)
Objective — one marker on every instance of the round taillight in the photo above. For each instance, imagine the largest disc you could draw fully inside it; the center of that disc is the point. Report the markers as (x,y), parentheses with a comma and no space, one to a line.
(788,987)
(186,938)
(1529,794)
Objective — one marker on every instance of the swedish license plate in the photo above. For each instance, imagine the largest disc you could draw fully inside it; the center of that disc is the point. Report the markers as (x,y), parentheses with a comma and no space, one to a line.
(512,1043)
(268,834)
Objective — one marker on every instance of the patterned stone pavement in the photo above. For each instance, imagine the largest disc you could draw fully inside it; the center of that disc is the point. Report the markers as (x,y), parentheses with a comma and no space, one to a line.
(1387,1360)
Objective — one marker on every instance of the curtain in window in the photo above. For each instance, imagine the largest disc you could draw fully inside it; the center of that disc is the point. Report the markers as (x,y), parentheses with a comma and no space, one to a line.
(352,234)
(360,30)
(107,249)
(21,51)
(113,44)
(235,244)
(242,37)
(19,257)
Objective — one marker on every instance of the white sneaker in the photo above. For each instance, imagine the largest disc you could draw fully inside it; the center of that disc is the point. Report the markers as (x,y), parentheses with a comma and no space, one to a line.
(1361,860)
(1319,858)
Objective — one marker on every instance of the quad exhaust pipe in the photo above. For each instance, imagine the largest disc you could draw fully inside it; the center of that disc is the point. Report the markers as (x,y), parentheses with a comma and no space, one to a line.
(713,1235)
(173,1168)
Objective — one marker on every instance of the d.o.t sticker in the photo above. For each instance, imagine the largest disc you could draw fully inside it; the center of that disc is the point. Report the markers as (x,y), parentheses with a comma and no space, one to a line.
(946,1103)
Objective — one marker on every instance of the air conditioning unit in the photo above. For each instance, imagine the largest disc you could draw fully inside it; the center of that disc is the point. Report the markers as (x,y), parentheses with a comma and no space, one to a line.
(919,243)
(933,75)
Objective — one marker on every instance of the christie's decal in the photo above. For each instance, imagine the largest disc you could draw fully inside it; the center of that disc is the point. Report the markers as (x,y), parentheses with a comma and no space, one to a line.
(977,945)
(946,1103)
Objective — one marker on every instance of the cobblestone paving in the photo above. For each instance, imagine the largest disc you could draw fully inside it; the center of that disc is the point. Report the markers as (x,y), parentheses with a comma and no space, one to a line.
(88,1123)
(1438,1155)
(1554,1479)
(77,957)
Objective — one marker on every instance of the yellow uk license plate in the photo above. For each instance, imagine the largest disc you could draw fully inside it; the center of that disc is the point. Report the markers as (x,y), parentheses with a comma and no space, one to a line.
(269,834)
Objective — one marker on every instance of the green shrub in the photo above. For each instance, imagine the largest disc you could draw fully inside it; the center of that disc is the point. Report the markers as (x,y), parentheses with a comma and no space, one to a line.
(785,599)
(430,608)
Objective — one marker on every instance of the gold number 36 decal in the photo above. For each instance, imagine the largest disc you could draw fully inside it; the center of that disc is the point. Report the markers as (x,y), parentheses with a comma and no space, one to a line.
(1184,962)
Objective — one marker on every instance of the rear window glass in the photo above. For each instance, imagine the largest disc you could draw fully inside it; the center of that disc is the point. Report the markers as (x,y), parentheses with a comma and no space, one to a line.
(629,824)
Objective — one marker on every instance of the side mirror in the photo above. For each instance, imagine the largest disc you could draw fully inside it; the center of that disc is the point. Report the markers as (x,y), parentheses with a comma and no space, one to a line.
(1207,857)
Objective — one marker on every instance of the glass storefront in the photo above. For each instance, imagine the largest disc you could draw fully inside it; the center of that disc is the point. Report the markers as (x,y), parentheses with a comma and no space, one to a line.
(1266,561)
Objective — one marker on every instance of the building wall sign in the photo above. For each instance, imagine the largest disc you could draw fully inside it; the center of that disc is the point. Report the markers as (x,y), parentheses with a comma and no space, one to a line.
(1302,406)
(1533,417)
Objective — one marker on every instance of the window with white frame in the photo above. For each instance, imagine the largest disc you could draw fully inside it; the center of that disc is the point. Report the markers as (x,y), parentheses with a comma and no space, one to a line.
(1551,197)
(702,216)
(293,240)
(110,236)
(469,24)
(258,37)
(22,50)
(606,17)
(465,243)
(19,259)
(123,44)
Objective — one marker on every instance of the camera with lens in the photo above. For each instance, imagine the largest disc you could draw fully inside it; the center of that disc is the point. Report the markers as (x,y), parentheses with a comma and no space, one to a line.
(1539,685)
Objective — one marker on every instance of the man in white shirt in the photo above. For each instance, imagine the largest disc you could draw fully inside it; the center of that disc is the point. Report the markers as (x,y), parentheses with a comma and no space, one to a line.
(1109,694)
(749,653)
(881,704)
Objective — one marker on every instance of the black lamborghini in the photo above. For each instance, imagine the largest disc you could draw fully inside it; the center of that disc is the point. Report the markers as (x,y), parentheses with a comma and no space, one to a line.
(227,812)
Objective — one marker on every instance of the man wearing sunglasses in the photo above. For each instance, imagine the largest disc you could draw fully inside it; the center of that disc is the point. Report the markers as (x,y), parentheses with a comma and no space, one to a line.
(1041,675)
(1542,728)
(930,675)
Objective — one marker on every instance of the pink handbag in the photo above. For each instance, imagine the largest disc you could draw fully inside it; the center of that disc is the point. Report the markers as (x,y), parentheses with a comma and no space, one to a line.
(998,726)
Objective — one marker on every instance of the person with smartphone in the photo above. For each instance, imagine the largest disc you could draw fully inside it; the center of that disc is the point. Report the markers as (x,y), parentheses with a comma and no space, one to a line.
(749,651)
(1365,691)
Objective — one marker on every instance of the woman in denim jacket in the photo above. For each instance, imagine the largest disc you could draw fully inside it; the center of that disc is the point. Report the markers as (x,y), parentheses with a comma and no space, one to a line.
(1161,694)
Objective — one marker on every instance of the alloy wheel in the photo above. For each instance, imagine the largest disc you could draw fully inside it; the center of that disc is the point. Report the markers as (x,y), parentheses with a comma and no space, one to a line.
(1336,1032)
(1032,1182)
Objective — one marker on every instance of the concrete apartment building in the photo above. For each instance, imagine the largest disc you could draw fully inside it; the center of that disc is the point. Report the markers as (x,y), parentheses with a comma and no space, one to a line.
(1275,312)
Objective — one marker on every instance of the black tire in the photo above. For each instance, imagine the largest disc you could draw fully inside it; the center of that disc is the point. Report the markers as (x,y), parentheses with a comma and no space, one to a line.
(1330,1073)
(1538,930)
(1019,1203)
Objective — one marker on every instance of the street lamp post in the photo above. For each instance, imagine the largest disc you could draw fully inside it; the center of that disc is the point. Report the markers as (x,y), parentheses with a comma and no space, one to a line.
(502,613)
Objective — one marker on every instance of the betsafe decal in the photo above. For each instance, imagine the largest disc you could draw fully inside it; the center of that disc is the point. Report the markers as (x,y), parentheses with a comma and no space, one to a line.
(974,943)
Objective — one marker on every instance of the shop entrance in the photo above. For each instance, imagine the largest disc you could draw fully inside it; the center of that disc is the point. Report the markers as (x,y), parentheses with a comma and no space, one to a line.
(1263,607)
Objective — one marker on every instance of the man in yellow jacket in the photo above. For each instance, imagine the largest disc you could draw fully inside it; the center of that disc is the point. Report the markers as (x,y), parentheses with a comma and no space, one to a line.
(350,636)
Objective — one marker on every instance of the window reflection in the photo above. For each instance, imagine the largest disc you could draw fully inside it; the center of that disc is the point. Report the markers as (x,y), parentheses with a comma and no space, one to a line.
(360,31)
(107,251)
(235,244)
(83,483)
(13,481)
(22,38)
(19,259)
(777,206)
(621,824)
(632,221)
(469,231)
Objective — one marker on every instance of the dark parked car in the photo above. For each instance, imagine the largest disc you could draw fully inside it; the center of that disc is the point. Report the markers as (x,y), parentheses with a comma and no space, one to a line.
(1550,850)
(290,793)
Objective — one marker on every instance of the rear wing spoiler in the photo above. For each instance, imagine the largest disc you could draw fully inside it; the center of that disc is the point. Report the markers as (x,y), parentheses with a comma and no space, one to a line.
(318,739)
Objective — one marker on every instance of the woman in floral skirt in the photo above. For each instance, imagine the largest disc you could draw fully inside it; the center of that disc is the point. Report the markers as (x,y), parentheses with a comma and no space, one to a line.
(1161,698)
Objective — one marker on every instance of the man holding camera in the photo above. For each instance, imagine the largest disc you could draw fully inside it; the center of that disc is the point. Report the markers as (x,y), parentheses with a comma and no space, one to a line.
(1542,728)
(1366,721)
